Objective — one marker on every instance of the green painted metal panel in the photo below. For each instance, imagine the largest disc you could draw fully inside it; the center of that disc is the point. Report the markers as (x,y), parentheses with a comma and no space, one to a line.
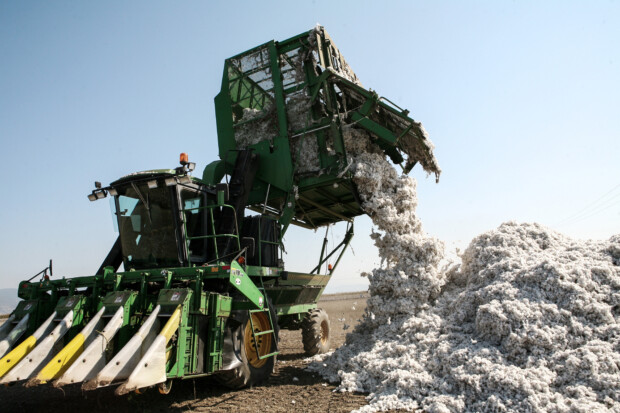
(219,309)
(242,282)
(214,172)
(294,309)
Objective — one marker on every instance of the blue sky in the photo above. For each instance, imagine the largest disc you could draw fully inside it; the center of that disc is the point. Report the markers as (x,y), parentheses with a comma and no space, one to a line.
(520,98)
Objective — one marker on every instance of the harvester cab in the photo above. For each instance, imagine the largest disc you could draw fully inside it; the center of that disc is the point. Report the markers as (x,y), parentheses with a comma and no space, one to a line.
(167,218)
(203,290)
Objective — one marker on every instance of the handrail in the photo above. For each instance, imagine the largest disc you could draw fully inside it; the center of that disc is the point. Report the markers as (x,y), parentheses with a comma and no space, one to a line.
(213,234)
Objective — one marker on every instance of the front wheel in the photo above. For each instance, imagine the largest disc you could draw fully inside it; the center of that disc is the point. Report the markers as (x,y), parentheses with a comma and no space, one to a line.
(253,367)
(315,332)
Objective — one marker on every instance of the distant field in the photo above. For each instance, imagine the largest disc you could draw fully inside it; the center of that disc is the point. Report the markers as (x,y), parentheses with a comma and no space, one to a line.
(344,296)
(8,300)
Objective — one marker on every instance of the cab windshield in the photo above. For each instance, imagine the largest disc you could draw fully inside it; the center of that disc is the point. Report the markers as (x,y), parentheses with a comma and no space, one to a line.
(146,226)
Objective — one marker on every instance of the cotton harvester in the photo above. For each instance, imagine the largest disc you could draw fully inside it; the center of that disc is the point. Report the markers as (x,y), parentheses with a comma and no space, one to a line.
(203,289)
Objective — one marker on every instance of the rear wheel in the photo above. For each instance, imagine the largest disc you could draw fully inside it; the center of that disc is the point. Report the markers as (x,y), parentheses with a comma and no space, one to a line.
(315,332)
(254,368)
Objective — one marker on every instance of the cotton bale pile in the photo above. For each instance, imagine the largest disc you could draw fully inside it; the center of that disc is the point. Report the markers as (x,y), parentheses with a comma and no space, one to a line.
(529,321)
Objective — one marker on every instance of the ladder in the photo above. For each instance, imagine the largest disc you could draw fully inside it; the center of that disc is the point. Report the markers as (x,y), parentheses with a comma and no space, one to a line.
(271,331)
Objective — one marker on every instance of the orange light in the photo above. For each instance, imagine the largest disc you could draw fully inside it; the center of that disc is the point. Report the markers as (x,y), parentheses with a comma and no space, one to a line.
(184,158)
(330,267)
(241,260)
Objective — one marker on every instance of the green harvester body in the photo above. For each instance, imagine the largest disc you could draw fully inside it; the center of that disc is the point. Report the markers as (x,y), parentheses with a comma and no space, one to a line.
(193,257)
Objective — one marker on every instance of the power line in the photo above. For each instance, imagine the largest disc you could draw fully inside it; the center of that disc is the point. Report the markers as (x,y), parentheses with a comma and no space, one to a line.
(603,207)
(591,209)
(588,214)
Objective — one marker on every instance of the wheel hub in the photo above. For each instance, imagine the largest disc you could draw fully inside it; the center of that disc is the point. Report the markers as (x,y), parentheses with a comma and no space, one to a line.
(257,347)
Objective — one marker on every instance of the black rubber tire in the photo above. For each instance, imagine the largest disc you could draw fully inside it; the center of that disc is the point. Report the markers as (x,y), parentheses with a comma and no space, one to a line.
(245,374)
(315,332)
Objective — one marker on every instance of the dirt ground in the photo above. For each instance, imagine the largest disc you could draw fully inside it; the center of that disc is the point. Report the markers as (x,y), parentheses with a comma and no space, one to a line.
(291,388)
